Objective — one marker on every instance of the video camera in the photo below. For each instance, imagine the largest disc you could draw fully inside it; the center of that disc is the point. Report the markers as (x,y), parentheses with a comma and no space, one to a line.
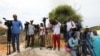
(53,22)
(8,23)
(44,19)
(26,25)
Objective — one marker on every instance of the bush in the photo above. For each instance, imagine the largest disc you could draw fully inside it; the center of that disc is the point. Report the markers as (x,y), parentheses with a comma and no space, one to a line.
(96,27)
(2,32)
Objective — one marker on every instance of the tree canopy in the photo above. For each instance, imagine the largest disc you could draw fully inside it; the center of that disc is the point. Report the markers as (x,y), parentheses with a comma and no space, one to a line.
(0,22)
(62,12)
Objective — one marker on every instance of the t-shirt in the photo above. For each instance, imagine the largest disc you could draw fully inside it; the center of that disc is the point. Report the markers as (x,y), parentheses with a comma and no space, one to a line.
(56,28)
(31,29)
(42,30)
(70,25)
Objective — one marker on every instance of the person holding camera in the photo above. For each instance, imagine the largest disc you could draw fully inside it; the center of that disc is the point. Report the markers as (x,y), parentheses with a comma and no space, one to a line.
(16,29)
(30,34)
(56,34)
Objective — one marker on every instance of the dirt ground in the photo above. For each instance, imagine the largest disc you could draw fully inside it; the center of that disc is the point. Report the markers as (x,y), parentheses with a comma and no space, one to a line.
(3,47)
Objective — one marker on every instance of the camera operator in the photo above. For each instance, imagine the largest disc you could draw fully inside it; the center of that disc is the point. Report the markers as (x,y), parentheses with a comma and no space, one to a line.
(30,34)
(16,30)
(56,25)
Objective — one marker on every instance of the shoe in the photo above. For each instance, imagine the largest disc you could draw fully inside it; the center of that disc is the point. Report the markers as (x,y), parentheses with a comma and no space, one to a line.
(54,48)
(58,49)
(40,48)
(18,51)
(13,51)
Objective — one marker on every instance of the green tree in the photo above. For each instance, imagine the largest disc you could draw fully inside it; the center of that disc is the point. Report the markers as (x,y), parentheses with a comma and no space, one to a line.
(62,12)
(0,22)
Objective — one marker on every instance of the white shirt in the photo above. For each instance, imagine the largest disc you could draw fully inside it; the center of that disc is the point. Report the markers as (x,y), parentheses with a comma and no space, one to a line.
(56,28)
(31,29)
(42,30)
(70,25)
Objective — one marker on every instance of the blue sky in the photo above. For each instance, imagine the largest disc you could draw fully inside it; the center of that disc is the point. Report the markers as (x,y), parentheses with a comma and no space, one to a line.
(36,9)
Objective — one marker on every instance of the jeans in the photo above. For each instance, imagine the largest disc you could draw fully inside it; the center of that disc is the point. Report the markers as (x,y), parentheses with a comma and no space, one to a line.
(68,35)
(15,41)
(73,53)
(86,46)
(78,34)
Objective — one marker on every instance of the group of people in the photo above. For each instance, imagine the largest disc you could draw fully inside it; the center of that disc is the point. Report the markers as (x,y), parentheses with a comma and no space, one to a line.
(81,41)
(75,38)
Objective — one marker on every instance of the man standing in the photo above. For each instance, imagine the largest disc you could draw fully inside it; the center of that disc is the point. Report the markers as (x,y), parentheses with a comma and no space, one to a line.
(78,27)
(16,30)
(70,25)
(56,34)
(30,33)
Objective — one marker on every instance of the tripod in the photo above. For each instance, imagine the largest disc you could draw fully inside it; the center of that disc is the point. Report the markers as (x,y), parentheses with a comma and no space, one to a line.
(8,40)
(26,30)
(8,23)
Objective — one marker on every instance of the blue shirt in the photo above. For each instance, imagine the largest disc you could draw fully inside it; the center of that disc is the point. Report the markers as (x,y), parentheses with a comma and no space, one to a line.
(96,45)
(16,27)
(73,43)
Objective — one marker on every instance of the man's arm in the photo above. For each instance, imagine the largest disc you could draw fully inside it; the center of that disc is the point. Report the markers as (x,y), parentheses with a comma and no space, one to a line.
(70,43)
(21,27)
(74,25)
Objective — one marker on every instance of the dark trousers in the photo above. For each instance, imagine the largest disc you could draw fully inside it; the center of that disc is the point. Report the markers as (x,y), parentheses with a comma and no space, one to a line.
(68,35)
(86,46)
(56,38)
(30,40)
(15,41)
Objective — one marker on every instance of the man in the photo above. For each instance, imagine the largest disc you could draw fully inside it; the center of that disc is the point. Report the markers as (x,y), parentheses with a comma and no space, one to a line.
(96,43)
(70,25)
(16,30)
(86,40)
(56,34)
(78,27)
(30,33)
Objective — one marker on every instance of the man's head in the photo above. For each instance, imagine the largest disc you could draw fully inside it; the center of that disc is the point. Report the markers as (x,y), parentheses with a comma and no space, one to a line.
(15,16)
(56,20)
(31,21)
(76,19)
(41,24)
(68,18)
(95,32)
(74,35)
